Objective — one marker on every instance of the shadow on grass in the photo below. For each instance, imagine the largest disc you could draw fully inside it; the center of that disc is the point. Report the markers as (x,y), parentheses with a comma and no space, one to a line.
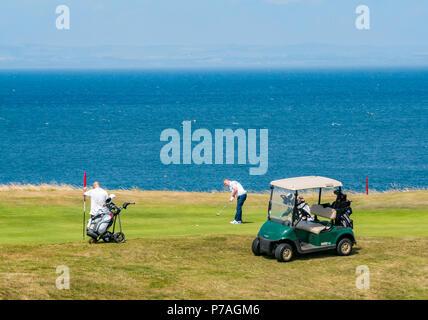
(315,255)
(323,254)
(106,243)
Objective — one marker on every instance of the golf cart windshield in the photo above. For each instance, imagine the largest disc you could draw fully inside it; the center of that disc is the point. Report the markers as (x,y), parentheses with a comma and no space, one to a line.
(282,204)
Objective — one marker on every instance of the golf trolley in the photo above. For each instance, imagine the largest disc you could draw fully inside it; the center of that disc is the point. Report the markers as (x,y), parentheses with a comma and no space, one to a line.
(99,225)
(291,229)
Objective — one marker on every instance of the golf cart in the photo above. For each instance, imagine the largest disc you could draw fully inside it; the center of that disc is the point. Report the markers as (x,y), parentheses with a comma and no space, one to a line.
(289,229)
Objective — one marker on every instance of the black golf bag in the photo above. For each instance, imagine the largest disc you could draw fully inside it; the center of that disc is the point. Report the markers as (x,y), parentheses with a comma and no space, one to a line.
(343,210)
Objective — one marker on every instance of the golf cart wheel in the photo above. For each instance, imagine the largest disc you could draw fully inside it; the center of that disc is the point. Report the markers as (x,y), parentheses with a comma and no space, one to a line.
(284,252)
(107,237)
(344,247)
(92,241)
(119,237)
(255,247)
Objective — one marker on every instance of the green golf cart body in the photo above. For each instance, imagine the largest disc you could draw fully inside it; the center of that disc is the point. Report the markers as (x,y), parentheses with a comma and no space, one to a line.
(286,233)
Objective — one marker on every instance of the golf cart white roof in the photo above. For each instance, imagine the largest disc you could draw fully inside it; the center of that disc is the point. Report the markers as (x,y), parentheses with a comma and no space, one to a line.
(309,182)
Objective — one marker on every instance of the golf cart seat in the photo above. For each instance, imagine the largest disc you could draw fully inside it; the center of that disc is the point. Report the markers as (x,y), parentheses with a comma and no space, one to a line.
(310,226)
(327,212)
(320,211)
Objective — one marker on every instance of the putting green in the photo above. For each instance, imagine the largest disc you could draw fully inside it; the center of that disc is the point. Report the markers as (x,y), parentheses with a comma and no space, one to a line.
(55,216)
(178,248)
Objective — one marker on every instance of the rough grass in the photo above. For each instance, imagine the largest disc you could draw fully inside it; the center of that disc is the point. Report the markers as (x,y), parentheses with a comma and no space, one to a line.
(178,248)
(211,267)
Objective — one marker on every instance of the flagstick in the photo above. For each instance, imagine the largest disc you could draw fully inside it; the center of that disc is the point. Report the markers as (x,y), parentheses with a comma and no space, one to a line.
(84,214)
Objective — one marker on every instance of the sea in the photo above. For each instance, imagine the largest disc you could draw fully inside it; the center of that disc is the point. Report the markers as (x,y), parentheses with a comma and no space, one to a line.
(346,124)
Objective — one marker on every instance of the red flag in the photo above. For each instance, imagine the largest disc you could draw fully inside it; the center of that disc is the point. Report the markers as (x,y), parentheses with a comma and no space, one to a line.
(84,180)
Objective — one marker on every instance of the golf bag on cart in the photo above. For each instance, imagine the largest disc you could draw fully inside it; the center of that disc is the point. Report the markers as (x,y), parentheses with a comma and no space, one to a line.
(98,228)
(304,212)
(343,210)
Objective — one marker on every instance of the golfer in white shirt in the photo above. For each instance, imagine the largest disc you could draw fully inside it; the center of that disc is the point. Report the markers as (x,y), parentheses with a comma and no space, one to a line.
(239,192)
(98,199)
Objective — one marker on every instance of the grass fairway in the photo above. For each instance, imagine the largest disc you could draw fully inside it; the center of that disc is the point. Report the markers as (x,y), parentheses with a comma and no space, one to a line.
(178,248)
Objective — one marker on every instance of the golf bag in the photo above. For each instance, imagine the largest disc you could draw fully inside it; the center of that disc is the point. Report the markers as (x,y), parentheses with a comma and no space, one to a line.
(344,220)
(98,227)
(303,210)
(343,210)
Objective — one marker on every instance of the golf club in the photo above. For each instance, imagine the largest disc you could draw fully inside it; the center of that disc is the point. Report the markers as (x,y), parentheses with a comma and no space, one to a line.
(224,207)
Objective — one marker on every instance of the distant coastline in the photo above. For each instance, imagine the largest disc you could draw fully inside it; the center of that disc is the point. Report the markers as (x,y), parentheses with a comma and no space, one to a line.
(68,187)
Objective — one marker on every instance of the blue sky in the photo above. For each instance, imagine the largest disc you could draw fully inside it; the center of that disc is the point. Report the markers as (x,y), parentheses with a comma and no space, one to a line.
(215,32)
